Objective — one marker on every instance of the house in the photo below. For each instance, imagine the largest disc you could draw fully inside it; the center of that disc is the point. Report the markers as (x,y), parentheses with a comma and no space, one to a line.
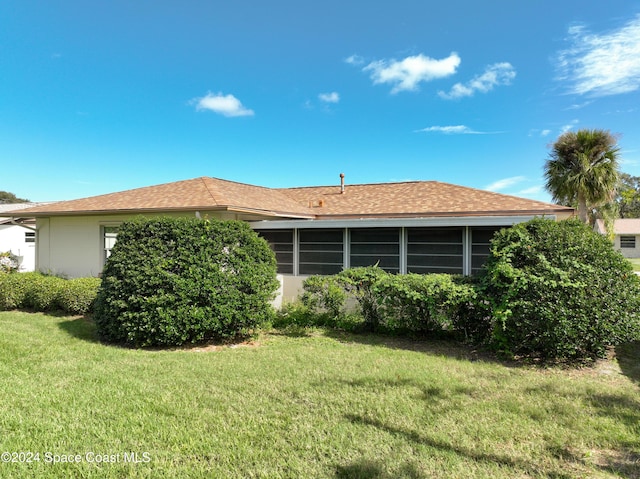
(18,235)
(415,226)
(626,236)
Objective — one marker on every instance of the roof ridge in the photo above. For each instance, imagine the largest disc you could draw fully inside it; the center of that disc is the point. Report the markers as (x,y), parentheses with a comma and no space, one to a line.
(347,185)
(204,181)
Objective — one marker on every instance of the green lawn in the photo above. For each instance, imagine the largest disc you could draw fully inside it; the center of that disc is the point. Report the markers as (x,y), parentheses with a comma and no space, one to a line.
(308,405)
(636,264)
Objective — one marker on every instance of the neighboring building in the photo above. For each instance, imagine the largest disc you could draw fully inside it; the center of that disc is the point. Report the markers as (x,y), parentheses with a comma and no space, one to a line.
(418,226)
(18,235)
(626,236)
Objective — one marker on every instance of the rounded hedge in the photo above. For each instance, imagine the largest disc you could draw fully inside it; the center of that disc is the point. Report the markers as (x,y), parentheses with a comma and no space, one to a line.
(559,290)
(171,281)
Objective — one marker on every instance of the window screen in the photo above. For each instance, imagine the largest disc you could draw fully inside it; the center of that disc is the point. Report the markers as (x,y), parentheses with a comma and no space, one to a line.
(321,251)
(379,246)
(281,243)
(480,245)
(434,250)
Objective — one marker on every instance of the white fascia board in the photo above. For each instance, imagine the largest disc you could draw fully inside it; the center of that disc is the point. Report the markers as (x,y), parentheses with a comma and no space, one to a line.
(395,222)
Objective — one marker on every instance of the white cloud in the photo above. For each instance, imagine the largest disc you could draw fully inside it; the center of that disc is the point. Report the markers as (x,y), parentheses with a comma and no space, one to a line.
(531,191)
(568,126)
(455,130)
(602,64)
(578,106)
(354,60)
(504,183)
(332,97)
(494,75)
(408,73)
(538,132)
(227,105)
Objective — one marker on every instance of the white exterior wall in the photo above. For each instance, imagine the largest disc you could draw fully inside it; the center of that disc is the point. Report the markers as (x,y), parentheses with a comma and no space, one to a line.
(72,246)
(12,239)
(628,252)
(291,288)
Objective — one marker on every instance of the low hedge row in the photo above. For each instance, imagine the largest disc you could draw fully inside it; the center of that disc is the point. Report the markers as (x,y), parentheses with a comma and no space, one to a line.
(40,292)
(373,300)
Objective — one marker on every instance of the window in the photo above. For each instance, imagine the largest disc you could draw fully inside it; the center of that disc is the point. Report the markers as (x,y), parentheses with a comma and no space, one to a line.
(627,242)
(30,237)
(480,244)
(109,235)
(379,246)
(321,251)
(281,243)
(434,250)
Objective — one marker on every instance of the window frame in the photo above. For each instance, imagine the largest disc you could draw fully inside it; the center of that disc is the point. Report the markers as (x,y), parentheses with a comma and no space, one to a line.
(105,251)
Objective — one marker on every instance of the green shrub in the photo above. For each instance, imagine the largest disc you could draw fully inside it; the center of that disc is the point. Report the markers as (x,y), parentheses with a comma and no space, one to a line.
(423,303)
(13,289)
(42,292)
(472,317)
(171,281)
(76,296)
(391,303)
(360,284)
(324,298)
(333,298)
(559,291)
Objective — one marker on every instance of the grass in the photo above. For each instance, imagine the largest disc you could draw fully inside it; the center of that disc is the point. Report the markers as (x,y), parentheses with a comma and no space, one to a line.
(636,263)
(312,404)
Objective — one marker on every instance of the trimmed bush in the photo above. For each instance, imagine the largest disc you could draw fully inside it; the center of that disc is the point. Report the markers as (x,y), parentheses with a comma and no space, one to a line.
(14,288)
(43,292)
(76,296)
(171,281)
(559,291)
(40,292)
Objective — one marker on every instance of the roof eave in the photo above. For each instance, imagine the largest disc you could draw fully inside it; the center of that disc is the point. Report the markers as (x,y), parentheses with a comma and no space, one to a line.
(141,211)
(449,214)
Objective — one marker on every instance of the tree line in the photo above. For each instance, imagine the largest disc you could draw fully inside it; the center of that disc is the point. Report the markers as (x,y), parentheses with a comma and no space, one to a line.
(8,198)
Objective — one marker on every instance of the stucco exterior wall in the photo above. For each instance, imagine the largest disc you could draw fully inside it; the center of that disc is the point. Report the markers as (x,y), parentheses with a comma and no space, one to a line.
(73,245)
(291,287)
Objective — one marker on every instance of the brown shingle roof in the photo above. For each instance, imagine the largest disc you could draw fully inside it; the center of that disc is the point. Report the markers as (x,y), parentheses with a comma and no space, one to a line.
(197,194)
(414,199)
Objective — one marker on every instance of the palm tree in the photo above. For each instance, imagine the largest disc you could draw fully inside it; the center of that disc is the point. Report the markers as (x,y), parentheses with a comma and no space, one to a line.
(583,170)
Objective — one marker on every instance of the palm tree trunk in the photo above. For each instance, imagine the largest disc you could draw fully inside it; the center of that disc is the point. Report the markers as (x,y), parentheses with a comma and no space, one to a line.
(582,209)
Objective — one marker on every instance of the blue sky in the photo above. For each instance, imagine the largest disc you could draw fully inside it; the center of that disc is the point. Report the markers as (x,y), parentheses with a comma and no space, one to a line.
(103,96)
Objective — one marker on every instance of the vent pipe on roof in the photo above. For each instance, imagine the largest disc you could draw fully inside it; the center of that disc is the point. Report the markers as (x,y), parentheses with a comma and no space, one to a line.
(341,183)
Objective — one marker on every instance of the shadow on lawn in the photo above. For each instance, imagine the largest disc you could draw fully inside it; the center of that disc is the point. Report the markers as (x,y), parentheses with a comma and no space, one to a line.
(435,346)
(81,328)
(366,468)
(628,356)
